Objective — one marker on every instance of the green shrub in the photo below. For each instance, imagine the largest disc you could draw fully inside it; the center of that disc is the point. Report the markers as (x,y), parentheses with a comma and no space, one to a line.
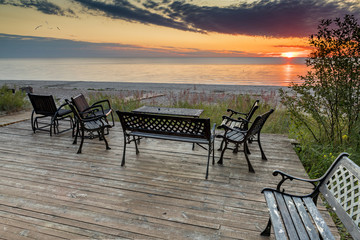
(12,102)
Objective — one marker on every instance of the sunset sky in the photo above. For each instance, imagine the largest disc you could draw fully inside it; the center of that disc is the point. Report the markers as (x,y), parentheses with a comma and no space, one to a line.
(163,28)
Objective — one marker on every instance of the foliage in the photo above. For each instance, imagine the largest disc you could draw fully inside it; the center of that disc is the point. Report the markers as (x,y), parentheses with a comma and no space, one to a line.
(12,102)
(327,103)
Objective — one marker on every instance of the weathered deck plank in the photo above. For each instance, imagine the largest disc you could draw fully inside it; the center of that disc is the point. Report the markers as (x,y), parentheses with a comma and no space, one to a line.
(47,191)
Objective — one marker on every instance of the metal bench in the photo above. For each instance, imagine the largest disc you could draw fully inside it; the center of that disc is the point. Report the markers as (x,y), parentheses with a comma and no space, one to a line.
(175,128)
(297,216)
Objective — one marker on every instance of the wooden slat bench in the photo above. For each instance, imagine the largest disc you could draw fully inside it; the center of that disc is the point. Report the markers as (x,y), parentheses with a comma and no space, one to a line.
(297,217)
(175,128)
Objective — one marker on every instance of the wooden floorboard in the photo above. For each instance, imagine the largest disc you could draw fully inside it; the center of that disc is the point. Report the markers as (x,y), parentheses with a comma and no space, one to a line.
(47,191)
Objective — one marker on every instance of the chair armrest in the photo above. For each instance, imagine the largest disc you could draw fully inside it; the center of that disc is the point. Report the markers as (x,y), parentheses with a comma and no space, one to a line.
(239,120)
(93,118)
(235,112)
(102,101)
(92,109)
(62,105)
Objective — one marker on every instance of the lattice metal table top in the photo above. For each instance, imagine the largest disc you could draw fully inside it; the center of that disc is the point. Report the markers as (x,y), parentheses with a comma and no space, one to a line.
(169,111)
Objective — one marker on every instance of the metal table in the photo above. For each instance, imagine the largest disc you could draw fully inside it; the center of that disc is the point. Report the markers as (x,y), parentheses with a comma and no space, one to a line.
(186,112)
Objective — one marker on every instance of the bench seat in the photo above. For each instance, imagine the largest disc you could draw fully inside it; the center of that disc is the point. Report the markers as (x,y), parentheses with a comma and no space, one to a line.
(169,137)
(295,217)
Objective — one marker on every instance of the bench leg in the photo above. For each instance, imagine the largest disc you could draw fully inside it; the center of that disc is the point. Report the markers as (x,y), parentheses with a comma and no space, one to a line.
(124,151)
(267,230)
(251,169)
(208,161)
(136,147)
(213,152)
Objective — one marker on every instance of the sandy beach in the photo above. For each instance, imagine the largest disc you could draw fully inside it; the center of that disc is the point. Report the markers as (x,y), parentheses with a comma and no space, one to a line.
(67,89)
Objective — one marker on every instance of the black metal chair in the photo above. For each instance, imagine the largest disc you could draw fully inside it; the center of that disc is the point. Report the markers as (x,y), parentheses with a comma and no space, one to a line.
(237,136)
(240,122)
(86,110)
(90,124)
(45,107)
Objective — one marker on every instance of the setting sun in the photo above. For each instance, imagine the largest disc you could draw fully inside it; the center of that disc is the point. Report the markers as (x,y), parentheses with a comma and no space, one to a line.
(288,54)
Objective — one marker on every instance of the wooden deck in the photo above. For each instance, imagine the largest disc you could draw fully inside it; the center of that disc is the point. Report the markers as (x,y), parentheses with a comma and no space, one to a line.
(47,191)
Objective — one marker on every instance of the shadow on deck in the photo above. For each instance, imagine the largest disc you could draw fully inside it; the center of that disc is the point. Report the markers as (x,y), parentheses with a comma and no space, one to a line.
(47,191)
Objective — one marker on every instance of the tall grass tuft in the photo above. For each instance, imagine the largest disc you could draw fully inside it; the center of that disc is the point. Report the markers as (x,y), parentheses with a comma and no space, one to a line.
(12,102)
(214,105)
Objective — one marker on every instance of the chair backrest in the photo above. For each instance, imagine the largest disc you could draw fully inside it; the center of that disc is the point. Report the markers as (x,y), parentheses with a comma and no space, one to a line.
(74,110)
(259,123)
(252,110)
(43,104)
(341,188)
(80,102)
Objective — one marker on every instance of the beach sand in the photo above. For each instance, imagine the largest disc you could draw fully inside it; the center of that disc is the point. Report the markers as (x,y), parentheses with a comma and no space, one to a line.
(66,89)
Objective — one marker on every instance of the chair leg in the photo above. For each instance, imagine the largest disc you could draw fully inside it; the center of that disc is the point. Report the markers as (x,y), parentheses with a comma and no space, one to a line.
(33,121)
(236,149)
(263,157)
(221,145)
(52,125)
(103,137)
(251,169)
(267,229)
(77,133)
(222,153)
(82,140)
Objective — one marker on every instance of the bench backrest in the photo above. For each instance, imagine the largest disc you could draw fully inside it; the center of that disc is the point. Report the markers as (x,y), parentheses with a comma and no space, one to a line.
(341,189)
(43,104)
(165,125)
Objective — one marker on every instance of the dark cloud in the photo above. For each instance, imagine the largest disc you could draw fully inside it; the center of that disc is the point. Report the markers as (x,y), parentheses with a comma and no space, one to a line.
(273,18)
(282,18)
(43,6)
(125,10)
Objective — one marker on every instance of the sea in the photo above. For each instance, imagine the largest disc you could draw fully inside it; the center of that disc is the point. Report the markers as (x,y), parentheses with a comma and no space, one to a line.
(266,71)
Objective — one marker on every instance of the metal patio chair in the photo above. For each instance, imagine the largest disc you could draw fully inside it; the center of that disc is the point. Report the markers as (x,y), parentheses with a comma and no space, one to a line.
(85,110)
(239,122)
(237,136)
(45,107)
(90,124)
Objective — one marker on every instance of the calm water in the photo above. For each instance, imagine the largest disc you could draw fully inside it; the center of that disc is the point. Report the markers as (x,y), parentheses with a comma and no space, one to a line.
(230,71)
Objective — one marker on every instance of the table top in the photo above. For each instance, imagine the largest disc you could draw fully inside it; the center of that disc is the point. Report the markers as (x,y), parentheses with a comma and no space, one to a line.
(188,112)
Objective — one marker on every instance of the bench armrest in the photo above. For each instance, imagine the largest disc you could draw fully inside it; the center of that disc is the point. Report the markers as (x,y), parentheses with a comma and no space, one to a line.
(285,177)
